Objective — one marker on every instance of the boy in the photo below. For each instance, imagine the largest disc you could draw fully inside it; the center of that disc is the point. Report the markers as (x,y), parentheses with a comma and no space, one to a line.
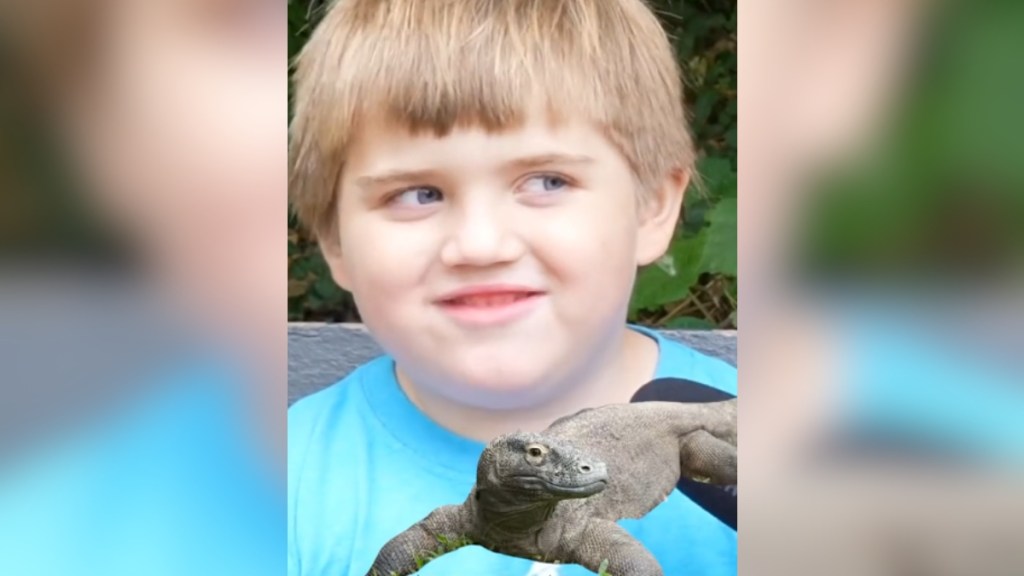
(485,178)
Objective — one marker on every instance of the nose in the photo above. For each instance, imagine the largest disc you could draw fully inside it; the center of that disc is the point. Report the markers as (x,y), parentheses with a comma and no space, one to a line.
(592,468)
(480,235)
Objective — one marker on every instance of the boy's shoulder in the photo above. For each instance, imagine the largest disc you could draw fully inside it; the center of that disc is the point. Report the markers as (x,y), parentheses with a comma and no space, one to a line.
(675,359)
(307,412)
(679,360)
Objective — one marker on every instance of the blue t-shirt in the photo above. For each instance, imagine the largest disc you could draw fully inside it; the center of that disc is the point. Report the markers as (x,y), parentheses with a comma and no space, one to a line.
(364,464)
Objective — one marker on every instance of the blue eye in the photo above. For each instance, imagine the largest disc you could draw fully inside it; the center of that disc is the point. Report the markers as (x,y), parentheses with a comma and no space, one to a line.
(546,183)
(553,182)
(418,196)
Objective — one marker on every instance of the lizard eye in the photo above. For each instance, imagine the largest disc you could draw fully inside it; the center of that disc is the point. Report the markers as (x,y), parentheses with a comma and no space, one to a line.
(535,453)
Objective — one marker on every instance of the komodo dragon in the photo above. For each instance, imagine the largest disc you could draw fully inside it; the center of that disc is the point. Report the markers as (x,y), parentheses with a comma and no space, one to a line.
(555,496)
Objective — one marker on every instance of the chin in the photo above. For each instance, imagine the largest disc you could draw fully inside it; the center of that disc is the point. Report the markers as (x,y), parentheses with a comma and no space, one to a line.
(504,387)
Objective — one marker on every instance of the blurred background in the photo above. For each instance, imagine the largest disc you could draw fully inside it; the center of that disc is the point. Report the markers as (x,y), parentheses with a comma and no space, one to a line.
(694,285)
(881,238)
(143,183)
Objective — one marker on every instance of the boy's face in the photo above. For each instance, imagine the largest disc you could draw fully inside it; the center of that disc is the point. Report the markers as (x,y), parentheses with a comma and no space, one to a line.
(493,266)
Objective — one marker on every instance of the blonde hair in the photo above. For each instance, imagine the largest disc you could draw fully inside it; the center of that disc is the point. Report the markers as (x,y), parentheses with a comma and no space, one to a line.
(438,64)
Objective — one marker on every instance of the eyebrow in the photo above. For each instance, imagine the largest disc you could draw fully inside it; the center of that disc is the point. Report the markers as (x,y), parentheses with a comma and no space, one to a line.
(548,160)
(390,178)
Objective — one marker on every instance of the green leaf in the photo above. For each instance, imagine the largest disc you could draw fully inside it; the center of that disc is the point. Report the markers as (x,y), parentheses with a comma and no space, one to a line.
(718,175)
(303,266)
(720,250)
(670,278)
(702,110)
(326,289)
(719,179)
(689,323)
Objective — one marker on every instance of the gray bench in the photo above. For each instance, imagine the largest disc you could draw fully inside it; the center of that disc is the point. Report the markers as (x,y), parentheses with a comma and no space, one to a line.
(321,354)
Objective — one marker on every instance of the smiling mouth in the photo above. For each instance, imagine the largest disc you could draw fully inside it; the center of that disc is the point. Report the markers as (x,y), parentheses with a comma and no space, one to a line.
(577,490)
(489,300)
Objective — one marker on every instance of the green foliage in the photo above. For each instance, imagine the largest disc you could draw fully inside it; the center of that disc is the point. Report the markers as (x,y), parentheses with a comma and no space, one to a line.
(444,546)
(694,285)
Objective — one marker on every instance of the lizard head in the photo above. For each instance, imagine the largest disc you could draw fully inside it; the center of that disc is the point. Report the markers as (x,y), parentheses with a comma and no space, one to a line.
(540,467)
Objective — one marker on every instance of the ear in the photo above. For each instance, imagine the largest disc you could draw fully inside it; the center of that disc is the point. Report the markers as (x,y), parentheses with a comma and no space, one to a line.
(330,246)
(659,216)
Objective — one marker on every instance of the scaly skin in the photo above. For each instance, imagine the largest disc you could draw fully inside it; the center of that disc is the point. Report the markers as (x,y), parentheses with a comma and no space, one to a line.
(555,496)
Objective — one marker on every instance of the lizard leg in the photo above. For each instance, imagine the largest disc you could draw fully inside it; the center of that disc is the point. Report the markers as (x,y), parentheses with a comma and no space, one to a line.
(704,458)
(442,531)
(603,541)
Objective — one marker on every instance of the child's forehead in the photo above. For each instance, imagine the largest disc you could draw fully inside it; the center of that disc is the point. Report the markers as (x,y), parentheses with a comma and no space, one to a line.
(526,116)
(381,141)
(534,112)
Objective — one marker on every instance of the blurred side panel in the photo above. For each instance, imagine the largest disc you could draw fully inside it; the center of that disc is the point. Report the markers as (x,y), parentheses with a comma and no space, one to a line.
(143,203)
(881,240)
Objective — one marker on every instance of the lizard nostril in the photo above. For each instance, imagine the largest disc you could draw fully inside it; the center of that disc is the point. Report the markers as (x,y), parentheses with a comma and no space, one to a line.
(584,467)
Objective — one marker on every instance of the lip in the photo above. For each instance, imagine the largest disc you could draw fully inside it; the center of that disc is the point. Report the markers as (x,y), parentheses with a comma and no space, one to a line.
(514,301)
(576,491)
(488,290)
(581,491)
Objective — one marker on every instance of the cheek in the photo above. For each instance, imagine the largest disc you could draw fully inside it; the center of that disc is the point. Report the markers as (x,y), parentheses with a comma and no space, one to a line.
(592,245)
(382,258)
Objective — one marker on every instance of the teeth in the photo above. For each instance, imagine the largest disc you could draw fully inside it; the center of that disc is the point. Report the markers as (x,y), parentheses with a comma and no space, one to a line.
(488,300)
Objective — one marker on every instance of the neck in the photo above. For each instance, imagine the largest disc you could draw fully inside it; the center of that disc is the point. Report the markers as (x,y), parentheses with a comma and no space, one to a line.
(629,362)
(506,515)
